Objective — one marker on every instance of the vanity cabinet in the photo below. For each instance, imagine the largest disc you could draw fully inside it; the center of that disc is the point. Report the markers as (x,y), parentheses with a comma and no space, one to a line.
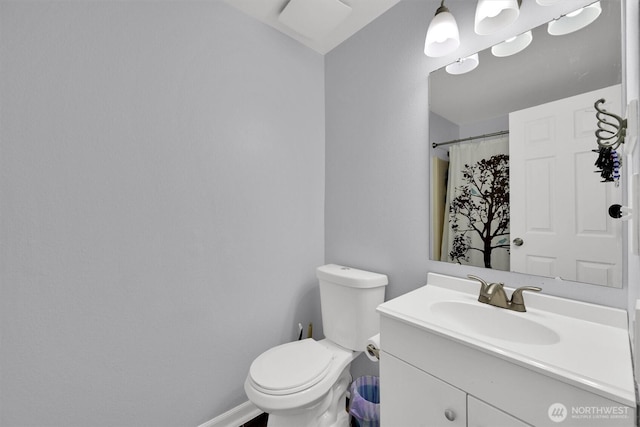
(449,360)
(481,414)
(427,378)
(414,398)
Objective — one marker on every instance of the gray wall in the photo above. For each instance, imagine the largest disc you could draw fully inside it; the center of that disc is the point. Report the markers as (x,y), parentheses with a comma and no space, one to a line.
(162,188)
(377,205)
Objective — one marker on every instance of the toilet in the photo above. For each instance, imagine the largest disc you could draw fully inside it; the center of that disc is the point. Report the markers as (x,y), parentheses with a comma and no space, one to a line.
(304,383)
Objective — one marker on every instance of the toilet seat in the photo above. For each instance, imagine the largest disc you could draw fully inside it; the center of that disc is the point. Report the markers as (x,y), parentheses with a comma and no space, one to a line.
(290,368)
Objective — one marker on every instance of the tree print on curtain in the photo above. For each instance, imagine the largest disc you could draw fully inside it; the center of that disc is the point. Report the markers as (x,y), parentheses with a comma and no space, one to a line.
(481,208)
(477,205)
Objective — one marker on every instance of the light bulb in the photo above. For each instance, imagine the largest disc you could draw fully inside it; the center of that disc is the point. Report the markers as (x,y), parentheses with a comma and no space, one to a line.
(442,36)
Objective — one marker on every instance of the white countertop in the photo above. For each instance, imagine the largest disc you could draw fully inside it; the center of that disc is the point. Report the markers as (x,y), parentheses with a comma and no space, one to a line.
(592,349)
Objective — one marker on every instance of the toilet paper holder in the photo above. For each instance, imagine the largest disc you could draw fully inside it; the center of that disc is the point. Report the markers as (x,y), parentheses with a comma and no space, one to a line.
(373,351)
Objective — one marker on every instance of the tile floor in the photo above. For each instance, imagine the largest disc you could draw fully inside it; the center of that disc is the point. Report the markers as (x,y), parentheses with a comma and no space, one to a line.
(259,421)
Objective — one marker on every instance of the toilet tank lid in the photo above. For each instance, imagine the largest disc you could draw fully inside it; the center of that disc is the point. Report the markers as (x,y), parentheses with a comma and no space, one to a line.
(351,277)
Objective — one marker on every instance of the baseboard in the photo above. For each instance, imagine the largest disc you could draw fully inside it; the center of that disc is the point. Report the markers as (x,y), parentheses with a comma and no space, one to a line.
(235,417)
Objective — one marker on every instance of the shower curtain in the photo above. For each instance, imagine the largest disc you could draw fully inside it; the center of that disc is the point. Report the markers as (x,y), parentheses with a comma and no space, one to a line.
(477,205)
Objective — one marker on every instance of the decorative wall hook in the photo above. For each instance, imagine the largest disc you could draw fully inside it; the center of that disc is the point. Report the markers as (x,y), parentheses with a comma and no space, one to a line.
(609,134)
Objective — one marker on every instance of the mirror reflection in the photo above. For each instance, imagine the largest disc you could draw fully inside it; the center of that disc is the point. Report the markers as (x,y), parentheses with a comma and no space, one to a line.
(513,182)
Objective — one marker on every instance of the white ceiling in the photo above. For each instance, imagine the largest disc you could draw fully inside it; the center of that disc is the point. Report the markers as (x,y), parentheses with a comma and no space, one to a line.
(362,13)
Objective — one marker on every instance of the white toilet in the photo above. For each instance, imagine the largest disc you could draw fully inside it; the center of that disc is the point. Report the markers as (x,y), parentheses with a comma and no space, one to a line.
(304,383)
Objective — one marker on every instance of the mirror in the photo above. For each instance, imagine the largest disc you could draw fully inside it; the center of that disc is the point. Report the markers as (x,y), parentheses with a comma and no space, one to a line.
(549,71)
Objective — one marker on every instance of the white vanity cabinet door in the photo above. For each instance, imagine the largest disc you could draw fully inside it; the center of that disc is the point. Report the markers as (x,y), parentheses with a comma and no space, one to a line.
(411,397)
(480,414)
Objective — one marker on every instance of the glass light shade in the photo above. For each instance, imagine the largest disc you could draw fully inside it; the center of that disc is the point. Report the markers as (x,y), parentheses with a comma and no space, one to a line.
(546,2)
(512,45)
(494,15)
(575,20)
(442,36)
(463,65)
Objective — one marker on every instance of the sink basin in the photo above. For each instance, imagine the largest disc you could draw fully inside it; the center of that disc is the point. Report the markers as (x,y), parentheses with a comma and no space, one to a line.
(580,344)
(485,320)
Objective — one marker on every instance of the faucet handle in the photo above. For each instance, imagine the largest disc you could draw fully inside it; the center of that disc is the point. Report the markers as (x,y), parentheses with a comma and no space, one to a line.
(483,283)
(484,286)
(517,300)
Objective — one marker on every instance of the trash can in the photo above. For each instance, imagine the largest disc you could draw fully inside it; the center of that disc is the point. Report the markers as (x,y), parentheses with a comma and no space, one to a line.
(364,404)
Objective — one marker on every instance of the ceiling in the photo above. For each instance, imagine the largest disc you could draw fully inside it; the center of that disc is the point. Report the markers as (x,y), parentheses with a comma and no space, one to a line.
(362,13)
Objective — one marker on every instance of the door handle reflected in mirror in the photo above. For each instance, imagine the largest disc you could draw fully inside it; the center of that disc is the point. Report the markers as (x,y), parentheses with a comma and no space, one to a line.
(518,241)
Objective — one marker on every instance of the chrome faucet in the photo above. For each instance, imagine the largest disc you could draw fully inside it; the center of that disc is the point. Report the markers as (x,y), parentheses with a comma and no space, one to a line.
(494,294)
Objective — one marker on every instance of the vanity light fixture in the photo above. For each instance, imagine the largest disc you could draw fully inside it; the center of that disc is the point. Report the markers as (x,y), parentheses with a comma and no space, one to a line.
(494,15)
(513,45)
(463,65)
(443,36)
(575,20)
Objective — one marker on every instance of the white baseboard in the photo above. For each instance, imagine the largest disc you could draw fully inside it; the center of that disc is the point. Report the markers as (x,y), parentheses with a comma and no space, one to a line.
(235,417)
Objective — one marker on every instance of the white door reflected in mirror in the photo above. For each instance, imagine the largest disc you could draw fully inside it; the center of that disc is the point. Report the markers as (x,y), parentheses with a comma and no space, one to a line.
(559,206)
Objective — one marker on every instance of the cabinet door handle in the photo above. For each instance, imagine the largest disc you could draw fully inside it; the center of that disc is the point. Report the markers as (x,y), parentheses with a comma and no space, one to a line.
(450,414)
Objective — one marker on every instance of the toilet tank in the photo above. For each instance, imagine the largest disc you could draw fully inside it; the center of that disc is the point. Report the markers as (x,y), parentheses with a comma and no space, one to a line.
(348,299)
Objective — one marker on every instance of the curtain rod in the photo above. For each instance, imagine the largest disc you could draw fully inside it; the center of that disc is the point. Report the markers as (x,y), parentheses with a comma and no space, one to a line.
(486,135)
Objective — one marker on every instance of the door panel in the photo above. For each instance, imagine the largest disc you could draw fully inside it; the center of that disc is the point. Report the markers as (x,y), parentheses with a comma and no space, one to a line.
(411,397)
(559,207)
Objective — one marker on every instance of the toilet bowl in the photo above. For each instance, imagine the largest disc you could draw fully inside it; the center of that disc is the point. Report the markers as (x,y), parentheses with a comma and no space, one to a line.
(304,383)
